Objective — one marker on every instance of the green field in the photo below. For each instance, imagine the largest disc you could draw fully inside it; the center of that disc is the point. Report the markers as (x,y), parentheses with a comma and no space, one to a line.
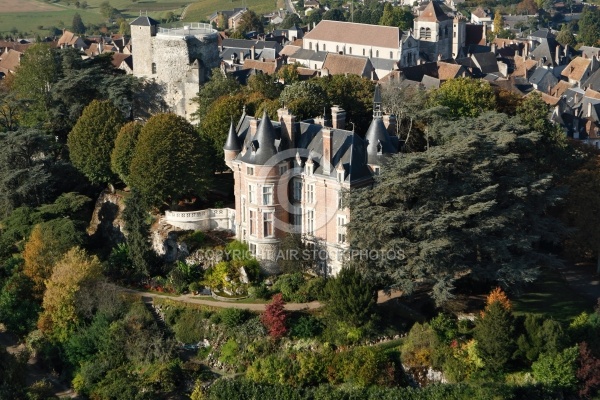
(24,16)
(200,11)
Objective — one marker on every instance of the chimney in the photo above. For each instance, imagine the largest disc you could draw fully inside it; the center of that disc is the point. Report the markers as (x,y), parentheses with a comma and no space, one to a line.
(493,47)
(241,57)
(252,52)
(439,57)
(327,141)
(253,126)
(526,50)
(589,109)
(287,121)
(338,117)
(389,121)
(557,55)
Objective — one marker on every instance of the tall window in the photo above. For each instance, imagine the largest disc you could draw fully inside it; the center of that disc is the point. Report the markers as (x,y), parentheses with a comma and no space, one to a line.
(427,33)
(310,193)
(324,47)
(268,224)
(363,51)
(252,194)
(377,54)
(250,170)
(154,68)
(310,45)
(243,210)
(350,50)
(341,229)
(252,222)
(340,176)
(391,55)
(297,189)
(310,222)
(283,169)
(267,195)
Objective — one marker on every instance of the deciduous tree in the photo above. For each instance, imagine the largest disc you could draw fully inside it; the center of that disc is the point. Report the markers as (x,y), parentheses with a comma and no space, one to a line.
(72,279)
(465,97)
(92,140)
(122,154)
(170,160)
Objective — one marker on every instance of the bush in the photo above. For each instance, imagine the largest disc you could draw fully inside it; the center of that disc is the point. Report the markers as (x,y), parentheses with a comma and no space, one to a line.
(229,352)
(419,347)
(189,326)
(445,327)
(289,286)
(306,327)
(557,371)
(260,291)
(233,317)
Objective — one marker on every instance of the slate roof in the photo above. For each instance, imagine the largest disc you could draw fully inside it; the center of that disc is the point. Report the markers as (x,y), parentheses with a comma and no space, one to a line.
(542,34)
(143,21)
(432,13)
(311,55)
(538,75)
(546,50)
(486,62)
(429,82)
(384,63)
(354,33)
(232,142)
(593,82)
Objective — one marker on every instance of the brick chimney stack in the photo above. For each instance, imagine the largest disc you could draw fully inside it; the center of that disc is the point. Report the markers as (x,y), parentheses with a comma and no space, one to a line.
(288,125)
(327,145)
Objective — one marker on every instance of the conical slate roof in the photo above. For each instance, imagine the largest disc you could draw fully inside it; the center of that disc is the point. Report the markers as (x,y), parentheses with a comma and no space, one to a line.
(261,147)
(233,142)
(379,142)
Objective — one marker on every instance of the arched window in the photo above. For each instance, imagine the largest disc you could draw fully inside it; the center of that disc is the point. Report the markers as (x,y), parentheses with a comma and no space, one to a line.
(422,33)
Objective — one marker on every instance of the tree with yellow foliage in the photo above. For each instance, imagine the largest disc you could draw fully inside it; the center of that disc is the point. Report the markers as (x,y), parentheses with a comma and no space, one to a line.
(72,282)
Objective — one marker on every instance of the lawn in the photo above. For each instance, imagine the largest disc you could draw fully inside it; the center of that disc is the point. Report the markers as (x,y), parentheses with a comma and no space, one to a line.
(31,21)
(551,296)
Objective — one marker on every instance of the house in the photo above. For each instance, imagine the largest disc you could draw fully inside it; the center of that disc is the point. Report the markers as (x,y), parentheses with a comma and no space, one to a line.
(69,39)
(580,69)
(480,16)
(227,19)
(290,175)
(543,80)
(10,61)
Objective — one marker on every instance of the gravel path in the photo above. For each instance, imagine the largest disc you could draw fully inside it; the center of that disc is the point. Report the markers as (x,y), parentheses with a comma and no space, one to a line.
(191,299)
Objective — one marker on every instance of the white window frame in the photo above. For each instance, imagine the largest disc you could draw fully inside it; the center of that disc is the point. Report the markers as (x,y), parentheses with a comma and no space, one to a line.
(341,229)
(310,222)
(252,222)
(267,195)
(268,227)
(310,193)
(251,194)
(250,171)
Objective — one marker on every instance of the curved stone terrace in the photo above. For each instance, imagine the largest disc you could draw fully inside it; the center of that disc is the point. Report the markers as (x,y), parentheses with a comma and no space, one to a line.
(189,29)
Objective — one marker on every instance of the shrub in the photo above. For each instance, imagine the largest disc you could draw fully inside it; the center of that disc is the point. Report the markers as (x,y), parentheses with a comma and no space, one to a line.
(445,327)
(274,317)
(419,346)
(260,291)
(306,327)
(289,285)
(557,371)
(229,352)
(232,317)
(189,326)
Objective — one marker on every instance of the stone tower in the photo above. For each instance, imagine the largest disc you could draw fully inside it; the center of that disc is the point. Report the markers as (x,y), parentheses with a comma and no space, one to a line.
(143,29)
(433,28)
(459,34)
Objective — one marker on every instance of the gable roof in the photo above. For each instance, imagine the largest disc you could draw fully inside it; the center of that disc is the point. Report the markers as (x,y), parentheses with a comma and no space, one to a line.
(268,67)
(143,21)
(354,33)
(338,64)
(560,88)
(432,13)
(480,13)
(576,68)
(10,61)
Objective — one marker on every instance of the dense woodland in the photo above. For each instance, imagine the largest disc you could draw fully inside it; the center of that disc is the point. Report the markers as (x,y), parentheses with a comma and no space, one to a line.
(485,198)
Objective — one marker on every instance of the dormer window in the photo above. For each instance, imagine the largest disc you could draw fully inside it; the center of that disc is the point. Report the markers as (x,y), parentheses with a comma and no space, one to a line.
(310,167)
(376,170)
(340,176)
(254,146)
(379,147)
